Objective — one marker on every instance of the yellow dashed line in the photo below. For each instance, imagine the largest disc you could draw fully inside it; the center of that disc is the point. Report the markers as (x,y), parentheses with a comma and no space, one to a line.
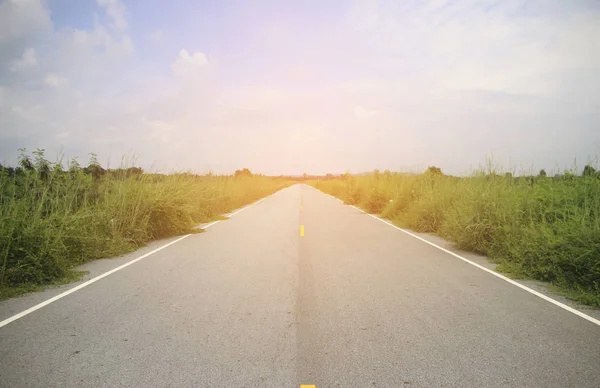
(301,235)
(308,386)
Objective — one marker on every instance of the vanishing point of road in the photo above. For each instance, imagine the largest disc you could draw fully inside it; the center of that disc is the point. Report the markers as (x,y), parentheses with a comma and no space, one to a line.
(298,289)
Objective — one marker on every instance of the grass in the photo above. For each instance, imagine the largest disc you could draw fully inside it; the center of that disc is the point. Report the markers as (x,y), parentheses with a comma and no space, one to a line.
(52,220)
(534,227)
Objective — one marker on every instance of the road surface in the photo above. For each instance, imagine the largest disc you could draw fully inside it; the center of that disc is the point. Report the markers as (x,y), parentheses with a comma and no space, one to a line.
(255,301)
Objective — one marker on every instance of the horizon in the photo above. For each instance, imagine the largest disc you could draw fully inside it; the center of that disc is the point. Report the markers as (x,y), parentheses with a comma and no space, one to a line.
(488,168)
(287,89)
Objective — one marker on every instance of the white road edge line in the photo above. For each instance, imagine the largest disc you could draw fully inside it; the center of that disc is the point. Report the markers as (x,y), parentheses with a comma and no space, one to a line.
(514,283)
(93,280)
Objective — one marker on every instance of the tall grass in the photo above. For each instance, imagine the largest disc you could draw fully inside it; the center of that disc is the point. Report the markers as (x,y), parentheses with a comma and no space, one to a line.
(52,220)
(536,227)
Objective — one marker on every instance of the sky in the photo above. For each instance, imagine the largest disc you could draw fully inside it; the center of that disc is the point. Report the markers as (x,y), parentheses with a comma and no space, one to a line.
(314,87)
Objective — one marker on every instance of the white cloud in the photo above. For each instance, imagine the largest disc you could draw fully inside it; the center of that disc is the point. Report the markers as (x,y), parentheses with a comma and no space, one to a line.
(480,45)
(395,84)
(116,11)
(188,66)
(55,81)
(29,113)
(19,18)
(197,59)
(75,66)
(29,59)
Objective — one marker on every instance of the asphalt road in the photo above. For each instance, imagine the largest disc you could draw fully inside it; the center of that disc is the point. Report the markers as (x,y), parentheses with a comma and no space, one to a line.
(253,303)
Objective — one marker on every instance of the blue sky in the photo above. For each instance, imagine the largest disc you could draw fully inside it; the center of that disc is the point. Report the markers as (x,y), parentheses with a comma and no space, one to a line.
(311,86)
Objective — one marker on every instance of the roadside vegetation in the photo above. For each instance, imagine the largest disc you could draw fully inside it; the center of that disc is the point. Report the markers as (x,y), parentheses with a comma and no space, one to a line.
(534,227)
(53,218)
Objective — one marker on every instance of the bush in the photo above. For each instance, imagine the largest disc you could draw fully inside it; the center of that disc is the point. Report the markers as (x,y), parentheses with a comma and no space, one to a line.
(53,220)
(534,227)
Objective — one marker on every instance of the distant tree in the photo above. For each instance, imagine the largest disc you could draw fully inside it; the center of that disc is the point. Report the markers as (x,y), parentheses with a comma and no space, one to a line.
(589,171)
(243,172)
(74,165)
(135,171)
(542,173)
(94,169)
(24,160)
(304,176)
(10,171)
(434,170)
(41,165)
(328,176)
(508,175)
(131,172)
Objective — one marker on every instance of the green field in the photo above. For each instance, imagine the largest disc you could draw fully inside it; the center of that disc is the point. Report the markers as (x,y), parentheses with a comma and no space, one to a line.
(534,227)
(54,218)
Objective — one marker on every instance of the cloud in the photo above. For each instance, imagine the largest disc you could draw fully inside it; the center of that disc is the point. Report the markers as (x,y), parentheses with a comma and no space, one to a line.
(29,113)
(22,18)
(197,59)
(190,67)
(29,59)
(55,81)
(117,12)
(73,76)
(524,47)
(388,85)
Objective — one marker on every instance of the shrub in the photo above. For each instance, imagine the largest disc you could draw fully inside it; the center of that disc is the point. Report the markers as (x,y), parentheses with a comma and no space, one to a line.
(53,220)
(534,227)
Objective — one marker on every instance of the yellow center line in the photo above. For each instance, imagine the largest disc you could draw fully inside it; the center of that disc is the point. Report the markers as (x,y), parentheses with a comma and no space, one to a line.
(301,230)
(308,386)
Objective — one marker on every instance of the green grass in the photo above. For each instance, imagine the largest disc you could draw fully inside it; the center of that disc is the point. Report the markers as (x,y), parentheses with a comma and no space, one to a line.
(534,228)
(53,220)
(10,291)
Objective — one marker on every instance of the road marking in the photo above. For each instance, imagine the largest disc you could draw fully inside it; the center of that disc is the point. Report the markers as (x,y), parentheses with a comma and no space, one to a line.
(94,280)
(301,230)
(514,283)
(308,386)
